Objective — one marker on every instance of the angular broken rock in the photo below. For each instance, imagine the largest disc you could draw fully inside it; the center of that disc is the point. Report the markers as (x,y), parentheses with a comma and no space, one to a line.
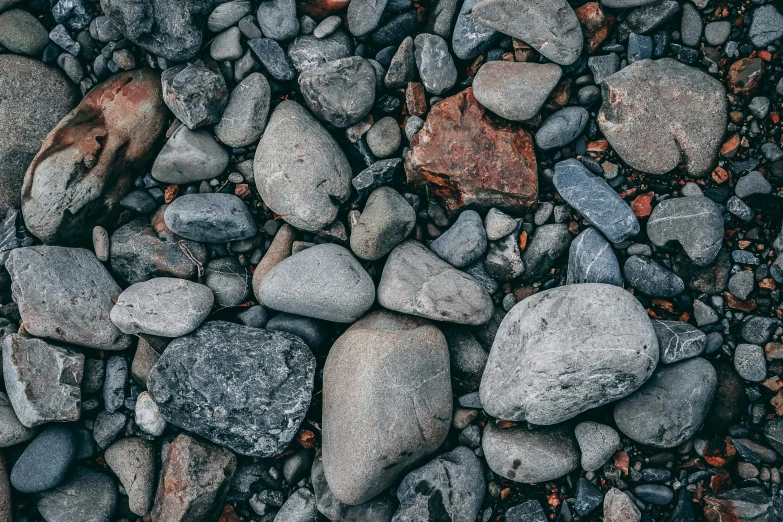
(340,92)
(240,387)
(196,93)
(650,109)
(65,294)
(515,90)
(11,430)
(194,481)
(386,403)
(299,168)
(89,160)
(696,222)
(416,281)
(530,456)
(536,372)
(468,159)
(671,406)
(42,380)
(548,26)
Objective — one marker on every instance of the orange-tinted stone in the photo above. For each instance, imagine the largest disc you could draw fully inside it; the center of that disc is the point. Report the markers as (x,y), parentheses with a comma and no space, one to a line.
(745,75)
(596,25)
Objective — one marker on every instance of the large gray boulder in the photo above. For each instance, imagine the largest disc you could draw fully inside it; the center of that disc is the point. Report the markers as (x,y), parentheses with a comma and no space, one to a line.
(530,456)
(538,373)
(671,406)
(416,281)
(340,92)
(650,109)
(325,282)
(35,98)
(548,26)
(386,403)
(65,294)
(696,222)
(299,168)
(515,90)
(240,387)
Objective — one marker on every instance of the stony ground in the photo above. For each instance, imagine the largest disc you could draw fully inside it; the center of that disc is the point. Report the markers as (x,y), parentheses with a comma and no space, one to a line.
(377,260)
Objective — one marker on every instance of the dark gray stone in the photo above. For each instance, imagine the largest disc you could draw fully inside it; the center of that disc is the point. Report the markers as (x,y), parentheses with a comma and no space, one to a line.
(402,68)
(312,331)
(307,51)
(211,218)
(649,17)
(753,183)
(678,340)
(340,92)
(530,456)
(108,427)
(592,197)
(603,66)
(696,222)
(467,358)
(639,47)
(273,58)
(504,260)
(690,27)
(548,244)
(530,511)
(464,242)
(195,93)
(562,127)
(277,19)
(651,278)
(592,260)
(12,431)
(717,32)
(588,497)
(86,495)
(115,382)
(742,283)
(435,64)
(260,382)
(46,461)
(759,330)
(22,33)
(396,29)
(655,494)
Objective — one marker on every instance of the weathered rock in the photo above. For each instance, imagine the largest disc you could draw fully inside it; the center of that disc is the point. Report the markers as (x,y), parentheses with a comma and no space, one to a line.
(530,511)
(592,260)
(299,168)
(196,93)
(618,507)
(766,27)
(596,25)
(418,282)
(536,373)
(43,96)
(548,244)
(696,222)
(530,456)
(65,294)
(650,277)
(240,387)
(226,15)
(323,281)
(244,119)
(515,90)
(162,306)
(642,116)
(671,406)
(386,221)
(42,380)
(86,495)
(88,161)
(298,507)
(394,369)
(597,443)
(194,481)
(228,280)
(133,461)
(744,504)
(504,260)
(273,58)
(453,484)
(711,279)
(340,92)
(678,340)
(307,51)
(467,357)
(550,27)
(211,218)
(170,28)
(115,383)
(464,242)
(12,431)
(436,66)
(644,19)
(190,156)
(468,159)
(277,19)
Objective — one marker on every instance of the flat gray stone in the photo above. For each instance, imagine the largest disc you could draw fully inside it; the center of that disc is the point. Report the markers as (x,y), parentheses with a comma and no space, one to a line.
(696,222)
(652,278)
(386,221)
(515,90)
(416,281)
(597,443)
(189,156)
(210,218)
(324,281)
(678,340)
(671,406)
(436,66)
(592,260)
(464,242)
(227,14)
(498,224)
(536,373)
(530,456)
(244,119)
(163,306)
(22,33)
(742,284)
(340,92)
(299,168)
(753,183)
(240,387)
(45,462)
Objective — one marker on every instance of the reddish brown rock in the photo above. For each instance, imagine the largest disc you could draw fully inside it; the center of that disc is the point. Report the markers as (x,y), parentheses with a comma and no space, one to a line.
(194,481)
(739,505)
(416,99)
(319,9)
(469,159)
(596,25)
(745,75)
(88,162)
(618,507)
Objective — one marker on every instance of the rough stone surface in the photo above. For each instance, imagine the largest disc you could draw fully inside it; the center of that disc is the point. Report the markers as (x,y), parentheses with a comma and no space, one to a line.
(642,116)
(534,354)
(550,26)
(324,281)
(618,507)
(240,387)
(196,93)
(515,90)
(436,66)
(750,503)
(471,37)
(468,159)
(299,168)
(210,218)
(696,222)
(416,281)
(671,406)
(530,456)
(386,403)
(12,431)
(277,19)
(65,294)
(592,260)
(364,16)
(88,161)
(767,26)
(464,242)
(162,306)
(597,443)
(307,51)
(386,221)
(190,156)
(86,495)
(651,278)
(678,340)
(133,461)
(340,92)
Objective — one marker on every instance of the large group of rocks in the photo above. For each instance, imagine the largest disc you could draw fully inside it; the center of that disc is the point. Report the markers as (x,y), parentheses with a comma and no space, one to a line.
(391,261)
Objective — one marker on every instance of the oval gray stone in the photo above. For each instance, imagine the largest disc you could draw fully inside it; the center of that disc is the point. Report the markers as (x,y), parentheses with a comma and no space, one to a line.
(210,218)
(562,127)
(651,278)
(436,66)
(189,156)
(678,340)
(515,90)
(245,116)
(592,260)
(536,372)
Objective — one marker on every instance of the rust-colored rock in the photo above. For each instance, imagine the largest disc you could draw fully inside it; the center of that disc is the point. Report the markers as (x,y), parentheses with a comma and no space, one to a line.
(745,75)
(88,162)
(194,481)
(469,159)
(416,99)
(596,25)
(319,9)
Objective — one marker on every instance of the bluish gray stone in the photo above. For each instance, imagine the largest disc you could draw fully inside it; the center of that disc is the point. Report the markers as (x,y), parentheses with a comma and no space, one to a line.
(651,278)
(639,47)
(592,197)
(654,494)
(696,222)
(210,218)
(767,25)
(273,58)
(312,331)
(307,51)
(691,26)
(588,497)
(750,184)
(464,242)
(86,495)
(678,340)
(277,19)
(592,260)
(740,209)
(530,511)
(341,91)
(115,382)
(471,37)
(504,260)
(436,67)
(562,127)
(46,461)
(364,16)
(750,363)
(189,156)
(603,66)
(196,93)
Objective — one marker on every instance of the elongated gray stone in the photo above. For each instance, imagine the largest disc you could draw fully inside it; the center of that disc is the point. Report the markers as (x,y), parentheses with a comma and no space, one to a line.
(651,278)
(592,260)
(696,222)
(436,66)
(515,90)
(678,340)
(364,16)
(536,372)
(210,218)
(592,197)
(244,119)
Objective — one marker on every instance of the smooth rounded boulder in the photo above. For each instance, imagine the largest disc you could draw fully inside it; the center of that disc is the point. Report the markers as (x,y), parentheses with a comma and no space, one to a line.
(671,406)
(299,168)
(386,403)
(566,350)
(324,282)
